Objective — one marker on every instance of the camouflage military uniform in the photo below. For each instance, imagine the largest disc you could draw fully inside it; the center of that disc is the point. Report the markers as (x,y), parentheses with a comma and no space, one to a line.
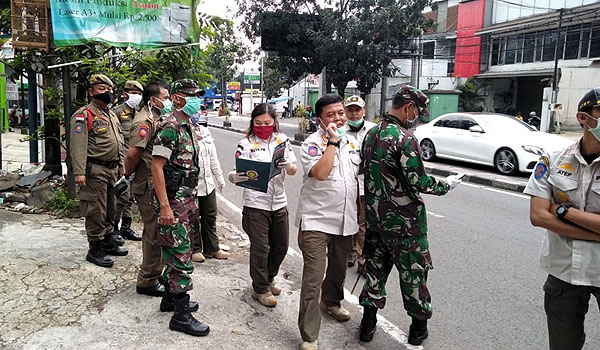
(176,142)
(125,115)
(396,216)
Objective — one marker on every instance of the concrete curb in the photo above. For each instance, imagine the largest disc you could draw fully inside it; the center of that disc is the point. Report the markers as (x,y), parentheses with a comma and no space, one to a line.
(476,179)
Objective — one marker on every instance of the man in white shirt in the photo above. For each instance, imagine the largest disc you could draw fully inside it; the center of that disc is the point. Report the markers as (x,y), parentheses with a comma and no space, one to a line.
(565,199)
(327,216)
(358,127)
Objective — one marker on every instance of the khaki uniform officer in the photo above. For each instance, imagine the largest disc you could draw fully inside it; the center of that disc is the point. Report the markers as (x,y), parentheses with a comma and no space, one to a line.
(126,113)
(96,143)
(327,217)
(155,102)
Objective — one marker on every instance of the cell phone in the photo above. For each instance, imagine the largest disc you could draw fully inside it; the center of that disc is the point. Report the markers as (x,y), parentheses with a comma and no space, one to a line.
(459,176)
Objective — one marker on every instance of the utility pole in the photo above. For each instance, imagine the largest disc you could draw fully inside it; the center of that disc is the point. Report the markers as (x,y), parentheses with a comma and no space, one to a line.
(262,78)
(555,74)
(68,110)
(33,116)
(383,97)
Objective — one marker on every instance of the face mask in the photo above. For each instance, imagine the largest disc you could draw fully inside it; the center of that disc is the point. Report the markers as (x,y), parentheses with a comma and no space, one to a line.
(355,123)
(264,131)
(595,131)
(134,100)
(411,123)
(192,105)
(194,119)
(105,97)
(341,130)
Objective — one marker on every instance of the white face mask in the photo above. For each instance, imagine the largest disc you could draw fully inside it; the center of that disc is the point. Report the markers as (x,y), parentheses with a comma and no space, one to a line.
(134,100)
(411,123)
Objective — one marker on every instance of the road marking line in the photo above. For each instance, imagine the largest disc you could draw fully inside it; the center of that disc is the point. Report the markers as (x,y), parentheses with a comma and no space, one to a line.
(231,206)
(514,194)
(435,215)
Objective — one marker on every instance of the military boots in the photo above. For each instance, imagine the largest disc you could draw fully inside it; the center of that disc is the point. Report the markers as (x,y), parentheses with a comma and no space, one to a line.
(96,255)
(367,325)
(167,303)
(117,236)
(110,246)
(183,321)
(126,231)
(417,332)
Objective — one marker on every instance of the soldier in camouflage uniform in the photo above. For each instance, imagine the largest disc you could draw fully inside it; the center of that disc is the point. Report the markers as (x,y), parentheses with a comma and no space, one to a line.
(126,112)
(175,174)
(95,154)
(396,216)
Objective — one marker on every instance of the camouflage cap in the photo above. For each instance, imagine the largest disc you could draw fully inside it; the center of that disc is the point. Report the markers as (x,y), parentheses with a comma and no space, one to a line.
(133,85)
(416,96)
(100,79)
(354,100)
(187,87)
(590,100)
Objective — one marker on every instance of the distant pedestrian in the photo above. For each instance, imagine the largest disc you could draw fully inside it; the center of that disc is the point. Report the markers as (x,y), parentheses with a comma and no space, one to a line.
(205,243)
(155,105)
(358,127)
(396,232)
(132,95)
(327,217)
(565,200)
(265,215)
(95,152)
(175,175)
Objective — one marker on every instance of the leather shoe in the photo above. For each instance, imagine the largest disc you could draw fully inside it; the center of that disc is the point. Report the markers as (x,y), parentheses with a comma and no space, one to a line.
(367,324)
(96,256)
(126,230)
(157,290)
(417,332)
(110,247)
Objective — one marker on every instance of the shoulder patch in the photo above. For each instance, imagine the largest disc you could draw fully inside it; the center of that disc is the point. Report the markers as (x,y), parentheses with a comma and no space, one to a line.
(143,132)
(313,151)
(238,154)
(80,118)
(540,170)
(79,128)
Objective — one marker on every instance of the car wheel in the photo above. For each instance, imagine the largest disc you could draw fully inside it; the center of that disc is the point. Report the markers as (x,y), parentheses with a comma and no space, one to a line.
(427,150)
(506,161)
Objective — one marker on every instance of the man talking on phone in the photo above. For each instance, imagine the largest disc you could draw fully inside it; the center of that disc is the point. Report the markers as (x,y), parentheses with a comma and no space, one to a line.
(396,232)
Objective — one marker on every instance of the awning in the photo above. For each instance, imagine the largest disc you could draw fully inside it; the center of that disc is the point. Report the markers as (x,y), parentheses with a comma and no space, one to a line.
(279,99)
(519,73)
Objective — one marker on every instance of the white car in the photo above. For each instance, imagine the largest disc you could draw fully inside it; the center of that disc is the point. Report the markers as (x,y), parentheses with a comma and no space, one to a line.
(499,140)
(217,104)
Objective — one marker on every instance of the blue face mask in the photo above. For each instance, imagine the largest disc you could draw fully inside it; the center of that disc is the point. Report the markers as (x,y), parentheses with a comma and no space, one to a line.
(595,131)
(192,105)
(167,107)
(341,130)
(194,119)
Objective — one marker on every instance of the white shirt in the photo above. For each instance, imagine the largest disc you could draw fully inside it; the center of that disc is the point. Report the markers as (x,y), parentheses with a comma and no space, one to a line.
(261,150)
(569,179)
(329,206)
(360,136)
(210,168)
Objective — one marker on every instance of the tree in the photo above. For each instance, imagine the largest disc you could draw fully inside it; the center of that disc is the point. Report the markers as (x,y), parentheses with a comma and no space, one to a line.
(273,80)
(353,39)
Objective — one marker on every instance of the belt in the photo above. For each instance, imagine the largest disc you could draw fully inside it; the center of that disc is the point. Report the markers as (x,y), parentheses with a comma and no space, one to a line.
(111,164)
(190,182)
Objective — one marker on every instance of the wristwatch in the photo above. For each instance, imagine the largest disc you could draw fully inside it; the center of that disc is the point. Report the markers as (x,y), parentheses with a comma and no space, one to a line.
(336,144)
(561,211)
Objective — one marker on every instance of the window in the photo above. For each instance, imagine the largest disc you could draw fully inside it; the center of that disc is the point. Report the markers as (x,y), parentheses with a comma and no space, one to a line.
(538,46)
(572,44)
(520,49)
(501,50)
(595,42)
(429,50)
(585,41)
(467,123)
(529,49)
(549,46)
(452,121)
(495,49)
(511,50)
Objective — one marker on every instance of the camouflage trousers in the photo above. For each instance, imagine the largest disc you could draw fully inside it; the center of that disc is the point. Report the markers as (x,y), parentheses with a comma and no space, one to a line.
(176,244)
(411,257)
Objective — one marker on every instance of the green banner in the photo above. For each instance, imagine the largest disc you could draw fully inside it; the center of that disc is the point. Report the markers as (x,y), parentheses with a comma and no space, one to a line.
(136,23)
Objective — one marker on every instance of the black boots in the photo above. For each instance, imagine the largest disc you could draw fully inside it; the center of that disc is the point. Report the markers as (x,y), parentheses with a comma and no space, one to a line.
(96,256)
(110,246)
(167,303)
(117,236)
(126,231)
(417,332)
(183,321)
(367,325)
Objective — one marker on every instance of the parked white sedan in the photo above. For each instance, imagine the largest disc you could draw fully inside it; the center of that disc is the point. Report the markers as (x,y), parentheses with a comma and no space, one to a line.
(499,140)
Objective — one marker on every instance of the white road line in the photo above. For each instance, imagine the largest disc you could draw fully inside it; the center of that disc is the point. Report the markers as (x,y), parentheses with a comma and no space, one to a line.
(514,194)
(231,206)
(435,215)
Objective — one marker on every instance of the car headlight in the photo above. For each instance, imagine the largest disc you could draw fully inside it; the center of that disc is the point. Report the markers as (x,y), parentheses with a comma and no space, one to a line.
(534,149)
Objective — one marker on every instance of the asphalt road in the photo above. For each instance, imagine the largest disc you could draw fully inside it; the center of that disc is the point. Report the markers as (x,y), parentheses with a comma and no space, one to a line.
(486,286)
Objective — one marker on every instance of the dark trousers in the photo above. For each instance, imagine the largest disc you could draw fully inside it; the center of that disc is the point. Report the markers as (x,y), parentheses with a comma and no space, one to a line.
(566,306)
(205,237)
(269,239)
(97,201)
(152,263)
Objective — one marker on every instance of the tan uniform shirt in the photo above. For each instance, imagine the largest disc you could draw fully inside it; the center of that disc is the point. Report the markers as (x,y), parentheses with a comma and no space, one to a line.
(143,130)
(126,115)
(94,133)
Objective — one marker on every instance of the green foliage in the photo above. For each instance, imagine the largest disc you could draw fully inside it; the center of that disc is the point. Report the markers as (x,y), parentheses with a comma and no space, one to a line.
(471,100)
(302,115)
(61,204)
(226,111)
(273,80)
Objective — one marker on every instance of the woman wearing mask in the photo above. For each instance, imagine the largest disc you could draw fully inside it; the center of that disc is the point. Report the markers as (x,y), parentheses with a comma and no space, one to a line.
(205,243)
(265,215)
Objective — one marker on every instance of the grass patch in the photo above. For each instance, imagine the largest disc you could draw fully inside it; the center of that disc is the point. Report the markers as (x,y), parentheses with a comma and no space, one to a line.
(61,204)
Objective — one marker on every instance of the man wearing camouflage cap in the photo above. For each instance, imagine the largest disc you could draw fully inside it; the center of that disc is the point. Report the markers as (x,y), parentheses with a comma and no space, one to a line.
(565,200)
(396,232)
(96,143)
(132,95)
(175,171)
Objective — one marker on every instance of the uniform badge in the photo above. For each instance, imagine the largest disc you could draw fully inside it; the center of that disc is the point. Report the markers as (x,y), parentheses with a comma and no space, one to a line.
(545,160)
(352,145)
(567,166)
(540,170)
(79,118)
(252,175)
(143,132)
(238,154)
(79,128)
(256,145)
(313,151)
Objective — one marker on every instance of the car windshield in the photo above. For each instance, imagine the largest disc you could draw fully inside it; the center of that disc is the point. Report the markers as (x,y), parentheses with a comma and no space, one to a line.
(503,123)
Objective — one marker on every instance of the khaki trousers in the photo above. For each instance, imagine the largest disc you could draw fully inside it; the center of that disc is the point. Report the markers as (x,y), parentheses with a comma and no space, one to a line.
(98,201)
(152,263)
(320,249)
(358,240)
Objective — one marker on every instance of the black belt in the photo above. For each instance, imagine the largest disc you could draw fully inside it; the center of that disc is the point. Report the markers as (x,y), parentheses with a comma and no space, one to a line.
(111,164)
(190,182)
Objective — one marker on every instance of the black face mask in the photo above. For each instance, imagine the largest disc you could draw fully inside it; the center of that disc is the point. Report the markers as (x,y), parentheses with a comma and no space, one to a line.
(105,97)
